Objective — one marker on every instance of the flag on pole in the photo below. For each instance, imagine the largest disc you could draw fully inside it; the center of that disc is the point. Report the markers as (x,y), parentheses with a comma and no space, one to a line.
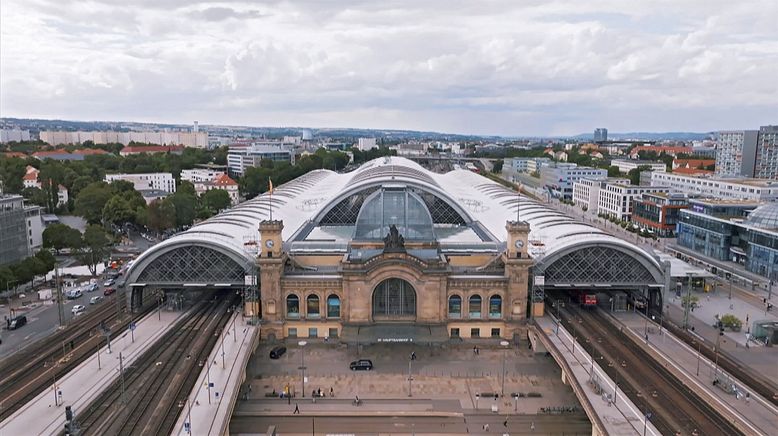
(270,182)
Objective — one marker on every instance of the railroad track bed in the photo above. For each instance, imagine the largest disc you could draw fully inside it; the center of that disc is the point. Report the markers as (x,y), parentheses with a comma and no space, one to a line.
(153,391)
(674,407)
(27,373)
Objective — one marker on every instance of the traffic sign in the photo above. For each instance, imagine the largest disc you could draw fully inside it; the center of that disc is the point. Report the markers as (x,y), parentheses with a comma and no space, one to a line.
(132,326)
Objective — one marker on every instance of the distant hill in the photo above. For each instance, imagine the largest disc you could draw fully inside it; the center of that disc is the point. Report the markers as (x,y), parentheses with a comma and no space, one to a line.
(651,136)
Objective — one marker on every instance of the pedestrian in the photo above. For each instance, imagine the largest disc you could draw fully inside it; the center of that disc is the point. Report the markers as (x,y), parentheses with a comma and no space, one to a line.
(332,393)
(532,426)
(296,409)
(475,349)
(319,392)
(748,397)
(486,427)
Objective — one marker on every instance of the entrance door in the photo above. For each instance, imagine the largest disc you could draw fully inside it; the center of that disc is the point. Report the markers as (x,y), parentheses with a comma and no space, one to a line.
(394,299)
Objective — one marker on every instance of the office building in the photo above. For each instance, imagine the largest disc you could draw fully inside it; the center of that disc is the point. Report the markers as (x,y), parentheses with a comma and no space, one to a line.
(600,134)
(365,144)
(736,153)
(200,175)
(559,178)
(766,165)
(526,164)
(741,189)
(586,192)
(35,226)
(659,212)
(13,229)
(241,157)
(627,165)
(147,181)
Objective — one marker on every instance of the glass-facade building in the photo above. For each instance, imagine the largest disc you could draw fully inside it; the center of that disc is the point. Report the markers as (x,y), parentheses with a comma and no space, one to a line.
(13,229)
(733,231)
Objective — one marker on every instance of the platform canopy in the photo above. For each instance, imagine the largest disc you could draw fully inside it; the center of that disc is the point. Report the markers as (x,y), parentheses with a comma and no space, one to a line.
(323,211)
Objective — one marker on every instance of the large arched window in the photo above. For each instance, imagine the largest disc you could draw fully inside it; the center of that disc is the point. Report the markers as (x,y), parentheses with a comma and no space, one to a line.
(292,306)
(398,207)
(454,306)
(333,306)
(312,309)
(394,298)
(495,306)
(475,306)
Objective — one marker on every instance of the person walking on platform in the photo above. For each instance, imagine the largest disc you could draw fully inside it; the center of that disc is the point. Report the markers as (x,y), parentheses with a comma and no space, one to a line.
(296,409)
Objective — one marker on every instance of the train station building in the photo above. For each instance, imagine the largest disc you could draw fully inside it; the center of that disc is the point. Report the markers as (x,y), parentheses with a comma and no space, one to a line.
(393,252)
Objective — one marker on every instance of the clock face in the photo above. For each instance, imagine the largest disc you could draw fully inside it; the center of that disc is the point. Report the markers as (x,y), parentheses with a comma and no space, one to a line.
(519,243)
(269,243)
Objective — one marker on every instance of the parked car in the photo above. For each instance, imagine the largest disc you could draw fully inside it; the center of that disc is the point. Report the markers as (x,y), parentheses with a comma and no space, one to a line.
(78,308)
(109,282)
(15,323)
(109,291)
(73,294)
(361,365)
(277,352)
(96,299)
(90,287)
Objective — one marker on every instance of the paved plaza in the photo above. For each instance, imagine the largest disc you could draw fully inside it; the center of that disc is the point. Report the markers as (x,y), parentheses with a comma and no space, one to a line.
(452,375)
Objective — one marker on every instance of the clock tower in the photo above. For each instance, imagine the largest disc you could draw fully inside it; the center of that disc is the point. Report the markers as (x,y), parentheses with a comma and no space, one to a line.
(270,264)
(518,233)
(517,265)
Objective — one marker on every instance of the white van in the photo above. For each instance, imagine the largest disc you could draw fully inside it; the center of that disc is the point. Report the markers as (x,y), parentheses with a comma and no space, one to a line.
(73,294)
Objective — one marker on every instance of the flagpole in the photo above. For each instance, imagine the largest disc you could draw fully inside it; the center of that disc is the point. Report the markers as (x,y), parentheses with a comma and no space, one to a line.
(270,182)
(518,205)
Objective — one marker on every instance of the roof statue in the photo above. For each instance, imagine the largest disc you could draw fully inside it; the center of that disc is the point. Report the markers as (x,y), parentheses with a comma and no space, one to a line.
(394,241)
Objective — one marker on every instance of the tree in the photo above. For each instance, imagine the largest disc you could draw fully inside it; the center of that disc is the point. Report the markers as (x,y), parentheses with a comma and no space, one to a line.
(614,171)
(634,174)
(118,211)
(91,201)
(497,168)
(47,259)
(161,215)
(59,236)
(7,278)
(216,200)
(94,248)
(12,171)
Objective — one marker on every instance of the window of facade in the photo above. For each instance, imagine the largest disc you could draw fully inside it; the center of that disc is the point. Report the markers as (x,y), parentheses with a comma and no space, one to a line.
(292,332)
(292,306)
(313,332)
(454,306)
(333,306)
(333,332)
(455,332)
(495,306)
(475,333)
(312,309)
(496,333)
(475,306)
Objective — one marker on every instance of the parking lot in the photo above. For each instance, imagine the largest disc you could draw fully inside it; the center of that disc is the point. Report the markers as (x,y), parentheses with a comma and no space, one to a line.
(452,372)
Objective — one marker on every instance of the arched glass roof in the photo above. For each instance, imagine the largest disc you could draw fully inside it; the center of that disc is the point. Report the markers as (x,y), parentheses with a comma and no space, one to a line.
(764,217)
(399,207)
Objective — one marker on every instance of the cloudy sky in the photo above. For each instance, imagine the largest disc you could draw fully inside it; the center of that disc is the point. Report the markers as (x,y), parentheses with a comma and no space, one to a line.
(513,67)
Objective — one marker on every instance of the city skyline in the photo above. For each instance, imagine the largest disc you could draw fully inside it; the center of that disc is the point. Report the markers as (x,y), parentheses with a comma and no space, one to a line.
(535,69)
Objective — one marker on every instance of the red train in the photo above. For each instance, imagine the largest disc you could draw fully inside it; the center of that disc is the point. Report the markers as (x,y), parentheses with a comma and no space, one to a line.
(587,298)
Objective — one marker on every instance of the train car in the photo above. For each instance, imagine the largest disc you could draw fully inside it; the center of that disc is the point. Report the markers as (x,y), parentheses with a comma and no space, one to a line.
(587,298)
(636,300)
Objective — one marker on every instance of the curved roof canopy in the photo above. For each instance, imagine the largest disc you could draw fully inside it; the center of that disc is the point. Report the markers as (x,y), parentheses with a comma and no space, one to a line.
(458,198)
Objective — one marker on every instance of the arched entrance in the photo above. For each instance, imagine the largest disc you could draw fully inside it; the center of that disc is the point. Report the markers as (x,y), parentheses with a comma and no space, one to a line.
(394,299)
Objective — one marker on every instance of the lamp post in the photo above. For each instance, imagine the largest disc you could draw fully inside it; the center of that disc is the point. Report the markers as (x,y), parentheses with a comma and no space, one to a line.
(720,326)
(302,345)
(504,344)
(410,374)
(688,303)
(558,315)
(699,347)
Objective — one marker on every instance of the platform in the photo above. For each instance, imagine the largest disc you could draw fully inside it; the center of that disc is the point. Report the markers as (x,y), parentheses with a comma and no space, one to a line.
(208,411)
(619,417)
(82,385)
(761,415)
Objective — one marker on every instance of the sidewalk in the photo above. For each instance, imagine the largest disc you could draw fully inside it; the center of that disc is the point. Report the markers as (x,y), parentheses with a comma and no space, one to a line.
(346,407)
(209,410)
(45,415)
(619,416)
(762,415)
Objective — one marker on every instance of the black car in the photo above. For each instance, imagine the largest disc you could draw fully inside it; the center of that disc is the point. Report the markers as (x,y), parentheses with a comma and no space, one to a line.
(15,323)
(277,352)
(361,364)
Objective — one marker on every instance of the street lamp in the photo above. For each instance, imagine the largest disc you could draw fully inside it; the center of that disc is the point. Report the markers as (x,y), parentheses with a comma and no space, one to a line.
(699,347)
(504,344)
(302,345)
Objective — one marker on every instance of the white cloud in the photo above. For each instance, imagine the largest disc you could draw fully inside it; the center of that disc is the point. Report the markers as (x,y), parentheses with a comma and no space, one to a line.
(492,67)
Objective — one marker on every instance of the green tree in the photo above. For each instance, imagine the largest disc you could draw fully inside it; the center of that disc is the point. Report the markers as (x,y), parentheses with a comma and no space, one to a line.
(497,168)
(11,172)
(47,259)
(634,174)
(161,215)
(613,171)
(59,236)
(118,211)
(215,200)
(94,248)
(7,278)
(91,201)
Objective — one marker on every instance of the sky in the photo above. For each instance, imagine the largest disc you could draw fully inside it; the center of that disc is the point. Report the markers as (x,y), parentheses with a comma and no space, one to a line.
(491,67)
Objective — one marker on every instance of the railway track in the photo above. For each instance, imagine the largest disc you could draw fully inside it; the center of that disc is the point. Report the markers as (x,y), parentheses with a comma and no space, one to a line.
(30,371)
(157,385)
(675,408)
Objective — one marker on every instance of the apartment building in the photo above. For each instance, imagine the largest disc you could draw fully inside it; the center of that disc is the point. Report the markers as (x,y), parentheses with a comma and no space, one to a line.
(147,181)
(741,189)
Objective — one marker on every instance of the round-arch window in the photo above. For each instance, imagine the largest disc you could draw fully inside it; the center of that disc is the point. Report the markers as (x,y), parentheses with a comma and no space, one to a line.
(454,306)
(394,298)
(293,306)
(475,306)
(333,306)
(312,306)
(495,306)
